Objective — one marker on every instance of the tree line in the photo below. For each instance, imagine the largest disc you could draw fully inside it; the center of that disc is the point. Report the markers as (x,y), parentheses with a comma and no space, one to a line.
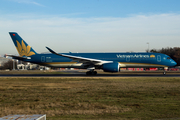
(8,65)
(174,53)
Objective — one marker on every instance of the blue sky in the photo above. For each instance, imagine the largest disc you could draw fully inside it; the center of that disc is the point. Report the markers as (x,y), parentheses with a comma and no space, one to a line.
(89,8)
(90,25)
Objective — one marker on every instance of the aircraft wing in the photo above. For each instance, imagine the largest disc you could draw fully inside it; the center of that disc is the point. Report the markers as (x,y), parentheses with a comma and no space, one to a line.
(81,59)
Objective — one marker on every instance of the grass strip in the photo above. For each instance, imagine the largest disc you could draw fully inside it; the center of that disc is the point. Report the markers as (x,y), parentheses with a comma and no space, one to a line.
(91,98)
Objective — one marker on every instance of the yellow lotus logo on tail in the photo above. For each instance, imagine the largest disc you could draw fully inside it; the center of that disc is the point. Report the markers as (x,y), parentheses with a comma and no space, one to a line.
(23,49)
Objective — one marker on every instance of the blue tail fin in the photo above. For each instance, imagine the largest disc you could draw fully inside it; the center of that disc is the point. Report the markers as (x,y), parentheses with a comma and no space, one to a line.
(22,47)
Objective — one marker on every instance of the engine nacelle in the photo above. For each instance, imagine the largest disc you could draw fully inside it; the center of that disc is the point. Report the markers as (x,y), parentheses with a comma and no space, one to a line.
(111,67)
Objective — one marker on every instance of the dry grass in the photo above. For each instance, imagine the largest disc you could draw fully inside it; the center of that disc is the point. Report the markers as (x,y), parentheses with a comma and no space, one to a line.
(91,98)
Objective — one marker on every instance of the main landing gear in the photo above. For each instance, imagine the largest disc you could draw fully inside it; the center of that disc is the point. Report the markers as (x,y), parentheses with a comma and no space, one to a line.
(91,73)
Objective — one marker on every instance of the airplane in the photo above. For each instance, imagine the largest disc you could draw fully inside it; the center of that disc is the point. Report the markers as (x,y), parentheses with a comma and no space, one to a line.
(108,62)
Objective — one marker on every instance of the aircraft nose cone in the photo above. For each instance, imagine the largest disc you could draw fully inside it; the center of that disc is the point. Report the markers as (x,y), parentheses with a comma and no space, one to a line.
(173,63)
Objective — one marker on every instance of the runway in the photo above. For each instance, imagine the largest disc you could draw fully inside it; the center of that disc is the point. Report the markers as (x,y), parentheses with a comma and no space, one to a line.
(84,75)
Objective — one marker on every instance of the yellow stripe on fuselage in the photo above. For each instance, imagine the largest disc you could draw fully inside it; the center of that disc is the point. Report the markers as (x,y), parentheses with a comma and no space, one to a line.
(122,64)
(61,63)
(129,64)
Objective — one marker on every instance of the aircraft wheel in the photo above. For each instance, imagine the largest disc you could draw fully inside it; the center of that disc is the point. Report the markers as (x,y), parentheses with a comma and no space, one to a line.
(94,73)
(91,73)
(88,73)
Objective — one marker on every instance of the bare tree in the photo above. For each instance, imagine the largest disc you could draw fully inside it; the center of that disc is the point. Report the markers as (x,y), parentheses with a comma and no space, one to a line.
(9,65)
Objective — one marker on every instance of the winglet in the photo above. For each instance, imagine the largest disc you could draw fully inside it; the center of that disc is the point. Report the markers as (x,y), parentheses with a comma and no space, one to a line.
(52,51)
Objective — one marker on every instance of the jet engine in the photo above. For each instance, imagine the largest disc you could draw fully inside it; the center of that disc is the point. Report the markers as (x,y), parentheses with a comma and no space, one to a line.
(111,67)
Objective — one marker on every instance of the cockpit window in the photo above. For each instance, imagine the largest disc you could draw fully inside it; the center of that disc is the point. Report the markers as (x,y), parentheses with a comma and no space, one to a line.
(168,58)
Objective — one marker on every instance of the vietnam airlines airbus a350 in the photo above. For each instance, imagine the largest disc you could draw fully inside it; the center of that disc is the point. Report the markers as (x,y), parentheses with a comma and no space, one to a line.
(109,62)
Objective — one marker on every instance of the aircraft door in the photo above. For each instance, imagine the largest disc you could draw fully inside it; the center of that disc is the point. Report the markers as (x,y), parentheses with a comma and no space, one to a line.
(127,58)
(159,58)
(42,58)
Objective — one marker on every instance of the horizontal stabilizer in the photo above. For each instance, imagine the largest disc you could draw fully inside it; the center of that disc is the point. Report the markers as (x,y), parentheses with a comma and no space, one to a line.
(18,57)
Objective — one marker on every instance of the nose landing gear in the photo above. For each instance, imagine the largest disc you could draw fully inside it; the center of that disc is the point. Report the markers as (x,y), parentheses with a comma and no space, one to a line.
(165,69)
(164,73)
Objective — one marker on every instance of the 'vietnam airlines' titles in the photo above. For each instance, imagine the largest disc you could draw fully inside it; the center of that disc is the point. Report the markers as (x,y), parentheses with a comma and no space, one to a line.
(135,56)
